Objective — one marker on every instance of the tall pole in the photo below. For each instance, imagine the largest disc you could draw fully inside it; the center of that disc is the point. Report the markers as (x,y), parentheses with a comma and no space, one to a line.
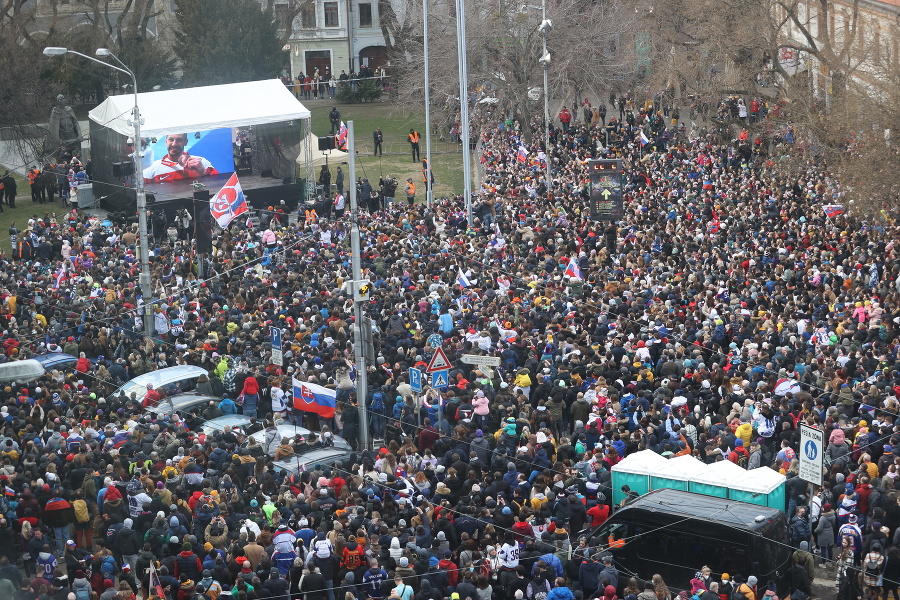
(143,242)
(545,31)
(428,193)
(359,351)
(464,104)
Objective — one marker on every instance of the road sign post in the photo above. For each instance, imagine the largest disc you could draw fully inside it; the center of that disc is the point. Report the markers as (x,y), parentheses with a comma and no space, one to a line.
(277,354)
(812,454)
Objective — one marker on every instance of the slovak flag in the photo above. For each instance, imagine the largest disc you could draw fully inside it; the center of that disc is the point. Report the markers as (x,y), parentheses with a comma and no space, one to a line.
(573,271)
(833,210)
(522,155)
(314,398)
(60,278)
(644,139)
(341,139)
(463,281)
(229,202)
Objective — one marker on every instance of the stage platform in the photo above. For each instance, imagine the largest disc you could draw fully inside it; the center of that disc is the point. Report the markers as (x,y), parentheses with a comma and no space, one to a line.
(260,192)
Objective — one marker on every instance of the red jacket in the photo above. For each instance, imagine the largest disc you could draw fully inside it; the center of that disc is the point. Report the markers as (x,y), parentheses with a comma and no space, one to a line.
(251,386)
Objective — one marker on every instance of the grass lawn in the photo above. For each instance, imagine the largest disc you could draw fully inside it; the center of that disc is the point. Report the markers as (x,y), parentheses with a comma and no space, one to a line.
(395,124)
(24,210)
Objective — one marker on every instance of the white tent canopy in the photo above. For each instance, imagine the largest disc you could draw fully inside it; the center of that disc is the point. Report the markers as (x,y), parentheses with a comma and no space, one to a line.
(645,462)
(202,108)
(319,156)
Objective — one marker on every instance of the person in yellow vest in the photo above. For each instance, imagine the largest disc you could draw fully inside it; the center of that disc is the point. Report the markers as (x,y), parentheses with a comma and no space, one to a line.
(410,191)
(414,138)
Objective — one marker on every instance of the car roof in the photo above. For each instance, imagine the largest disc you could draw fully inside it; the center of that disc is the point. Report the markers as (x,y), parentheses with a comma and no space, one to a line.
(164,376)
(328,456)
(220,423)
(53,357)
(286,430)
(707,508)
(180,402)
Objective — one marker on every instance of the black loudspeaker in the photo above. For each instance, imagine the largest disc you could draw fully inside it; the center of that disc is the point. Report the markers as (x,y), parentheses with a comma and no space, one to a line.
(202,221)
(265,173)
(326,143)
(123,169)
(117,170)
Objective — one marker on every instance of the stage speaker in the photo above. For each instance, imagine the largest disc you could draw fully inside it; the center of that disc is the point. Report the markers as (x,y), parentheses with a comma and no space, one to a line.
(123,169)
(202,221)
(117,170)
(265,173)
(326,143)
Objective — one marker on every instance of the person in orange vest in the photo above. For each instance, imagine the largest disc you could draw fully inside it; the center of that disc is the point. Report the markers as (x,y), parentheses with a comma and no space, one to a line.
(410,191)
(414,138)
(425,172)
(311,216)
(33,183)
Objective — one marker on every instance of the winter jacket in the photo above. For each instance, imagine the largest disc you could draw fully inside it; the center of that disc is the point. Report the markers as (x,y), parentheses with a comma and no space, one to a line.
(825,528)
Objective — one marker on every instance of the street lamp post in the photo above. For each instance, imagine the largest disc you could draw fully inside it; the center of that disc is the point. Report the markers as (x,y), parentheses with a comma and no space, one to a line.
(146,291)
(545,27)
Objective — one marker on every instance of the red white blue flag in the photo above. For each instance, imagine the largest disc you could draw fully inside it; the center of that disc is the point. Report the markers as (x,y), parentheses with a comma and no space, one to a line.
(341,139)
(229,202)
(573,271)
(314,398)
(522,155)
(833,210)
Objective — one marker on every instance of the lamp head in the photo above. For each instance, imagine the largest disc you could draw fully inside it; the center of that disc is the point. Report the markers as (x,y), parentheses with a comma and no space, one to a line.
(55,51)
(545,59)
(102,52)
(546,26)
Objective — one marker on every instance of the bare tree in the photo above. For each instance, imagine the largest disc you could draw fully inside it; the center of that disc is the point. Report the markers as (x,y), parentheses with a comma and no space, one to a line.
(591,47)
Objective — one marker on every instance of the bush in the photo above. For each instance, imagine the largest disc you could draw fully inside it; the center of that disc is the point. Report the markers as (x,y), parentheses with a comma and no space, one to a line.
(366,91)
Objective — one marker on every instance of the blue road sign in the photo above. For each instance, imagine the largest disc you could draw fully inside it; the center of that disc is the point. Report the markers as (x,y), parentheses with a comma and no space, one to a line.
(275,337)
(811,450)
(415,380)
(440,379)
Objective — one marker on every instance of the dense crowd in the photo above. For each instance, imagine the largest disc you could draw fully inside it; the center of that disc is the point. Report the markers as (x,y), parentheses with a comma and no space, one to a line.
(724,278)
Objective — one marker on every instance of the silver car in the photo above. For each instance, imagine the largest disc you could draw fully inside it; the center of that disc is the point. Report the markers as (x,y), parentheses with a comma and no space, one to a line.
(269,438)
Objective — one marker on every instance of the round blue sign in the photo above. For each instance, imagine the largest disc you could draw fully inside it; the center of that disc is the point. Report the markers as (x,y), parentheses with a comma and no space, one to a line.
(811,450)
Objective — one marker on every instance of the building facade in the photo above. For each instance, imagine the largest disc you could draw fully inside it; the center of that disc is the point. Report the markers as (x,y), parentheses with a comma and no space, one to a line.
(335,36)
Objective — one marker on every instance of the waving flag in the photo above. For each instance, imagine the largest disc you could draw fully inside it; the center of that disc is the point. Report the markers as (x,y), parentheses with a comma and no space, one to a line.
(463,281)
(155,586)
(60,277)
(833,210)
(229,202)
(522,155)
(644,139)
(341,140)
(573,271)
(314,398)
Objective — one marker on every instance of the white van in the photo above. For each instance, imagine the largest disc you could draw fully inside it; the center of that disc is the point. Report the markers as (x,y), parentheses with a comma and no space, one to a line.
(173,380)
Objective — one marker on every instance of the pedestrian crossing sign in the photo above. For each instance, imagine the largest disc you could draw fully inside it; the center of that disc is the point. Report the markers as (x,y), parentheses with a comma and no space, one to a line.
(440,379)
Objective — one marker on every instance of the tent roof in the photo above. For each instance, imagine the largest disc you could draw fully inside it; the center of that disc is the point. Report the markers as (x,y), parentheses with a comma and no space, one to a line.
(202,108)
(645,462)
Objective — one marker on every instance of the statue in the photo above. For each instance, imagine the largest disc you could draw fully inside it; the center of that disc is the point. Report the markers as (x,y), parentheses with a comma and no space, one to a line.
(64,129)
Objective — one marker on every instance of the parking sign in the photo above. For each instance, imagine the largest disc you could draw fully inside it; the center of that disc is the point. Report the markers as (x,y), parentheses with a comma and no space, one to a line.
(415,380)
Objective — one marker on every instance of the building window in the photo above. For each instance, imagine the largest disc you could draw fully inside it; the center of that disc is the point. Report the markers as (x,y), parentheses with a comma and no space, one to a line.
(331,14)
(308,16)
(365,15)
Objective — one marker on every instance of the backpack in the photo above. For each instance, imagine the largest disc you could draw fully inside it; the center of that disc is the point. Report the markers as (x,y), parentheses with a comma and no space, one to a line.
(82,515)
(83,593)
(738,594)
(538,592)
(742,460)
(378,402)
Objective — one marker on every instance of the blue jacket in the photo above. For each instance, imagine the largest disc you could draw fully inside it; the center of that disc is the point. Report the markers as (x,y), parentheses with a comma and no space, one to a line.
(228,407)
(560,593)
